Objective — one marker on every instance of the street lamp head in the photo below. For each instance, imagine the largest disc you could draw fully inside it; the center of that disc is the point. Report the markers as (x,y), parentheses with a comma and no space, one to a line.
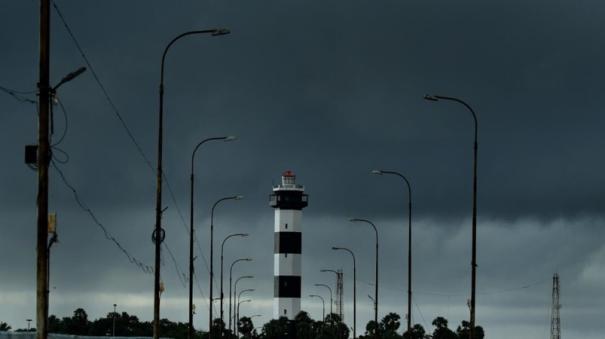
(221,31)
(336,248)
(431,98)
(377,172)
(230,138)
(247,259)
(355,220)
(238,197)
(69,77)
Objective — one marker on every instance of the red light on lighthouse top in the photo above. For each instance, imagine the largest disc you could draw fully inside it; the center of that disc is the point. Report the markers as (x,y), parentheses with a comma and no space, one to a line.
(288,173)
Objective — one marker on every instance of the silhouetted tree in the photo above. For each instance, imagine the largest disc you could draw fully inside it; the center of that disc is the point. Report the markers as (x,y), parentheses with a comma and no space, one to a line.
(417,332)
(441,329)
(305,326)
(389,325)
(275,329)
(245,326)
(4,327)
(464,330)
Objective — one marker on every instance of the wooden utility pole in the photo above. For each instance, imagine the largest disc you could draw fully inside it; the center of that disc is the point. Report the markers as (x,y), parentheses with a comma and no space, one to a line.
(43,162)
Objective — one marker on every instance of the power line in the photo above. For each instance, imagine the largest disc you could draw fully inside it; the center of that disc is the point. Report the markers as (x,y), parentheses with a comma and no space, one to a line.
(18,95)
(103,89)
(65,120)
(145,268)
(179,273)
(124,125)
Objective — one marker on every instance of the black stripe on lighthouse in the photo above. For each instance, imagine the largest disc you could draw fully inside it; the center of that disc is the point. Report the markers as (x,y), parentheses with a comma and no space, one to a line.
(288,242)
(287,286)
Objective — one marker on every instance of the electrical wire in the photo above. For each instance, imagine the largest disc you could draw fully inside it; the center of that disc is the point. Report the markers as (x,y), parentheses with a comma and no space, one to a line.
(176,265)
(18,95)
(145,268)
(65,120)
(102,87)
(123,123)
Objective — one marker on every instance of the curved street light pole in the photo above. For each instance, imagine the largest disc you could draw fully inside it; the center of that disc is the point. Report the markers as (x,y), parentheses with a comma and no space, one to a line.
(474,235)
(192,229)
(329,289)
(323,305)
(375,269)
(231,285)
(381,172)
(158,233)
(235,197)
(236,325)
(239,295)
(354,288)
(235,299)
(222,250)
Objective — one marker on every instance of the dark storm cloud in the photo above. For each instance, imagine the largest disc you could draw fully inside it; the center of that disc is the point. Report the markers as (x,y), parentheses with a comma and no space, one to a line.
(329,90)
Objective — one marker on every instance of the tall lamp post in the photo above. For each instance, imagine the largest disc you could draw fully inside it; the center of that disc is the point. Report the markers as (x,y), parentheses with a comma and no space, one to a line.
(329,289)
(222,250)
(381,172)
(474,235)
(231,284)
(192,229)
(239,295)
(234,197)
(375,269)
(323,305)
(354,288)
(113,332)
(159,233)
(237,322)
(235,299)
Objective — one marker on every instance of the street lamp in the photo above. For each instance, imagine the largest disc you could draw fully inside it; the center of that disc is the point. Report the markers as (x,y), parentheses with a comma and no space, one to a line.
(375,269)
(329,289)
(231,284)
(354,288)
(234,197)
(323,305)
(381,172)
(474,232)
(236,324)
(235,299)
(239,295)
(113,332)
(159,233)
(222,248)
(43,158)
(192,229)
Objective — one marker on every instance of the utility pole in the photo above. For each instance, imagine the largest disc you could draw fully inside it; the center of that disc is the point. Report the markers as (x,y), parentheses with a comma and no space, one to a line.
(43,162)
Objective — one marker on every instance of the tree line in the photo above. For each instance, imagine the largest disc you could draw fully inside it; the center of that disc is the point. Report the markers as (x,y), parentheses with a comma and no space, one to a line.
(302,327)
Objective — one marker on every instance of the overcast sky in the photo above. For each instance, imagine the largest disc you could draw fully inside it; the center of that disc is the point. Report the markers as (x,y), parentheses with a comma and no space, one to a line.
(330,90)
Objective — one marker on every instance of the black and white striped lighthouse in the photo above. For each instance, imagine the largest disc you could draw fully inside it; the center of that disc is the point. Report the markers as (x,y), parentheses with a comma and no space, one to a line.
(288,199)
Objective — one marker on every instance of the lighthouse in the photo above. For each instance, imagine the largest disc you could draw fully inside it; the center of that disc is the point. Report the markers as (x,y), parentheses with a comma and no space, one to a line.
(288,199)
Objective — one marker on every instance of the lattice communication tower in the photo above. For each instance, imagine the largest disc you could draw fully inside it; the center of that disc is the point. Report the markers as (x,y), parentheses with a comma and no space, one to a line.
(555,319)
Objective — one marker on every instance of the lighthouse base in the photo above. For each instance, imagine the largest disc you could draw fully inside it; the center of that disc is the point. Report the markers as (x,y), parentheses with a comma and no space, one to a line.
(286,307)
